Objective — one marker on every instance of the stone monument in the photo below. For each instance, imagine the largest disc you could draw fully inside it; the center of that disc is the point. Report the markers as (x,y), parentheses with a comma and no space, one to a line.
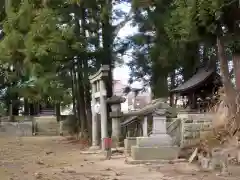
(159,145)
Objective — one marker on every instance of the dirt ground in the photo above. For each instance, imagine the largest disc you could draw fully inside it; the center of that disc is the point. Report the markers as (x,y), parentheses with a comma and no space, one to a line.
(56,158)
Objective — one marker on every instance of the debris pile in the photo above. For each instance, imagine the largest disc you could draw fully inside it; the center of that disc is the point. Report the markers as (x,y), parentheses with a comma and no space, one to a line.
(220,147)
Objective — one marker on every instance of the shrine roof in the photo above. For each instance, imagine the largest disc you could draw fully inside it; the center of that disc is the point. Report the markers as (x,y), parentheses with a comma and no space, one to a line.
(129,121)
(148,109)
(200,77)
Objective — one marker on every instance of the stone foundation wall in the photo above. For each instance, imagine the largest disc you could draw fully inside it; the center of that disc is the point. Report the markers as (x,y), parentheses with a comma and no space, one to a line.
(16,128)
(187,129)
(193,130)
(41,125)
(128,143)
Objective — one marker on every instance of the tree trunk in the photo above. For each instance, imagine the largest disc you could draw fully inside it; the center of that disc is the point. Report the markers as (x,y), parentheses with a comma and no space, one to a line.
(172,78)
(85,74)
(82,112)
(31,109)
(192,53)
(159,82)
(74,95)
(88,108)
(10,112)
(107,37)
(236,68)
(107,59)
(15,104)
(77,99)
(58,111)
(80,81)
(26,107)
(230,93)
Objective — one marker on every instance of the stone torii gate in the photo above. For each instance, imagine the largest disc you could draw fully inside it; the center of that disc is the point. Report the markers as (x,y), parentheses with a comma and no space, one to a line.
(99,105)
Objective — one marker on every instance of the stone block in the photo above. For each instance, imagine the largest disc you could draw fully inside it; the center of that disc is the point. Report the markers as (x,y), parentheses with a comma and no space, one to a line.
(155,141)
(188,121)
(204,133)
(192,127)
(206,126)
(128,143)
(201,120)
(191,135)
(154,153)
(219,158)
(189,142)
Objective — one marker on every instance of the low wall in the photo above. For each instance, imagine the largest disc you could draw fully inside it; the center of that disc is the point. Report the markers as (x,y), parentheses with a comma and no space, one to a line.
(193,130)
(194,115)
(26,125)
(16,128)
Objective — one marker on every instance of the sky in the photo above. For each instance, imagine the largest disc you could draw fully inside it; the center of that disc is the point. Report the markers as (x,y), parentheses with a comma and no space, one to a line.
(122,73)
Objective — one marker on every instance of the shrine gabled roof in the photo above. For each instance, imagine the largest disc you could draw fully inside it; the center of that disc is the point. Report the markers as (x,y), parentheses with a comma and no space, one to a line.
(201,76)
(148,109)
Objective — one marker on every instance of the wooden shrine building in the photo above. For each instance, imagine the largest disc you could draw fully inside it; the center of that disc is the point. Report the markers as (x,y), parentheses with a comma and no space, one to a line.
(200,89)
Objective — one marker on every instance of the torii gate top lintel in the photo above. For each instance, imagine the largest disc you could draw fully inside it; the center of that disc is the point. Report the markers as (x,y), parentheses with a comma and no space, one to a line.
(102,72)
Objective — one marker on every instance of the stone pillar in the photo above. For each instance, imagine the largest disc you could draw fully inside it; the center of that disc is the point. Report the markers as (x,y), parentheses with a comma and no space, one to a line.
(134,102)
(103,111)
(145,126)
(95,142)
(159,130)
(116,114)
(128,133)
(116,126)
(159,125)
(116,120)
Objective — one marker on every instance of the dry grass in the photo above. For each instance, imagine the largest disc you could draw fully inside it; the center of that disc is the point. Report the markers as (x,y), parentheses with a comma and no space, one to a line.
(225,125)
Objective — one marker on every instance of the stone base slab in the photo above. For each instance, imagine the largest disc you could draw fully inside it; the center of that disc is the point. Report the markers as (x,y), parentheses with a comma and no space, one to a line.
(154,141)
(129,160)
(98,150)
(94,148)
(154,153)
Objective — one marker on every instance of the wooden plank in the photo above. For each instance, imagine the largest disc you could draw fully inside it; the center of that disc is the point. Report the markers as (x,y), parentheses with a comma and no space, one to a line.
(193,156)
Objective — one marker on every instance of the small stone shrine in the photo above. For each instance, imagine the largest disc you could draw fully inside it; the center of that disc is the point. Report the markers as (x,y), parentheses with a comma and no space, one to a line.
(159,145)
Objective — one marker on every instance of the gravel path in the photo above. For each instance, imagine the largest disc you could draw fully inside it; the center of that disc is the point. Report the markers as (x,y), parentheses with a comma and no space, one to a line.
(55,158)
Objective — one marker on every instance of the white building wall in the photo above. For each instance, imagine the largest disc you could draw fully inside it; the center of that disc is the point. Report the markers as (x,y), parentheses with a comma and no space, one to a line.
(118,90)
